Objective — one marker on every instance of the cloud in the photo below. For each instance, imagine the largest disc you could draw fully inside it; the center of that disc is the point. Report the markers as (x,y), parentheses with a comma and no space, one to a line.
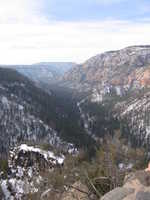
(108,2)
(27,36)
(67,41)
(20,11)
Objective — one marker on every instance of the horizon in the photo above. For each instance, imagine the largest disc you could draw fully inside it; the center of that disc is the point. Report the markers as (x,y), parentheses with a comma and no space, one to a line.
(69,31)
(77,63)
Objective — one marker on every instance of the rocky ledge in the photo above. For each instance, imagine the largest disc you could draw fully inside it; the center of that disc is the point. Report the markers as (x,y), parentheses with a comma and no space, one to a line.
(136,187)
(25,166)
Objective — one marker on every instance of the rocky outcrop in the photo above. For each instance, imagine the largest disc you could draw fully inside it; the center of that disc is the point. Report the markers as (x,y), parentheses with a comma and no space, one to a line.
(77,191)
(136,187)
(126,68)
(26,164)
(118,194)
(28,156)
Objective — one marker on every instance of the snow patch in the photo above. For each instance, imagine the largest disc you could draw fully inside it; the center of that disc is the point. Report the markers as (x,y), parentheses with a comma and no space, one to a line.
(46,154)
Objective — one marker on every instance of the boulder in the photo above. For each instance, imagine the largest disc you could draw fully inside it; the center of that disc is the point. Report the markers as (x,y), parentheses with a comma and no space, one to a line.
(77,191)
(136,187)
(118,194)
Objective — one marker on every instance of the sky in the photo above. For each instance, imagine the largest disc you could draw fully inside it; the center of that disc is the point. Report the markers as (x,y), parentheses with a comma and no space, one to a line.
(34,31)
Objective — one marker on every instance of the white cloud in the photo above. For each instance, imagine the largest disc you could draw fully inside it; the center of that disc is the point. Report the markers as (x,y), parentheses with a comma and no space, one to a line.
(107,2)
(62,41)
(20,11)
(26,38)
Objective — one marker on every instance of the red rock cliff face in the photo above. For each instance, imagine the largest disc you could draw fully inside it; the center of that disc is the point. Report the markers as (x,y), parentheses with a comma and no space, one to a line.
(145,80)
(129,66)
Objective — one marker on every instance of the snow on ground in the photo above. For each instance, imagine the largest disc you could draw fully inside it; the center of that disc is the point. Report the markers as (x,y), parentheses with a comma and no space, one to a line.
(5,190)
(46,154)
(24,179)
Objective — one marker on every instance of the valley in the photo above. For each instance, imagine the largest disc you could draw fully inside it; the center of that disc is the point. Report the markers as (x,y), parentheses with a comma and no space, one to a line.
(44,72)
(94,117)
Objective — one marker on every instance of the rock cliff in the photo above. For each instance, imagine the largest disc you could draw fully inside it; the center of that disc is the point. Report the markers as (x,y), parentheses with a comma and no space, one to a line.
(124,69)
(136,187)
